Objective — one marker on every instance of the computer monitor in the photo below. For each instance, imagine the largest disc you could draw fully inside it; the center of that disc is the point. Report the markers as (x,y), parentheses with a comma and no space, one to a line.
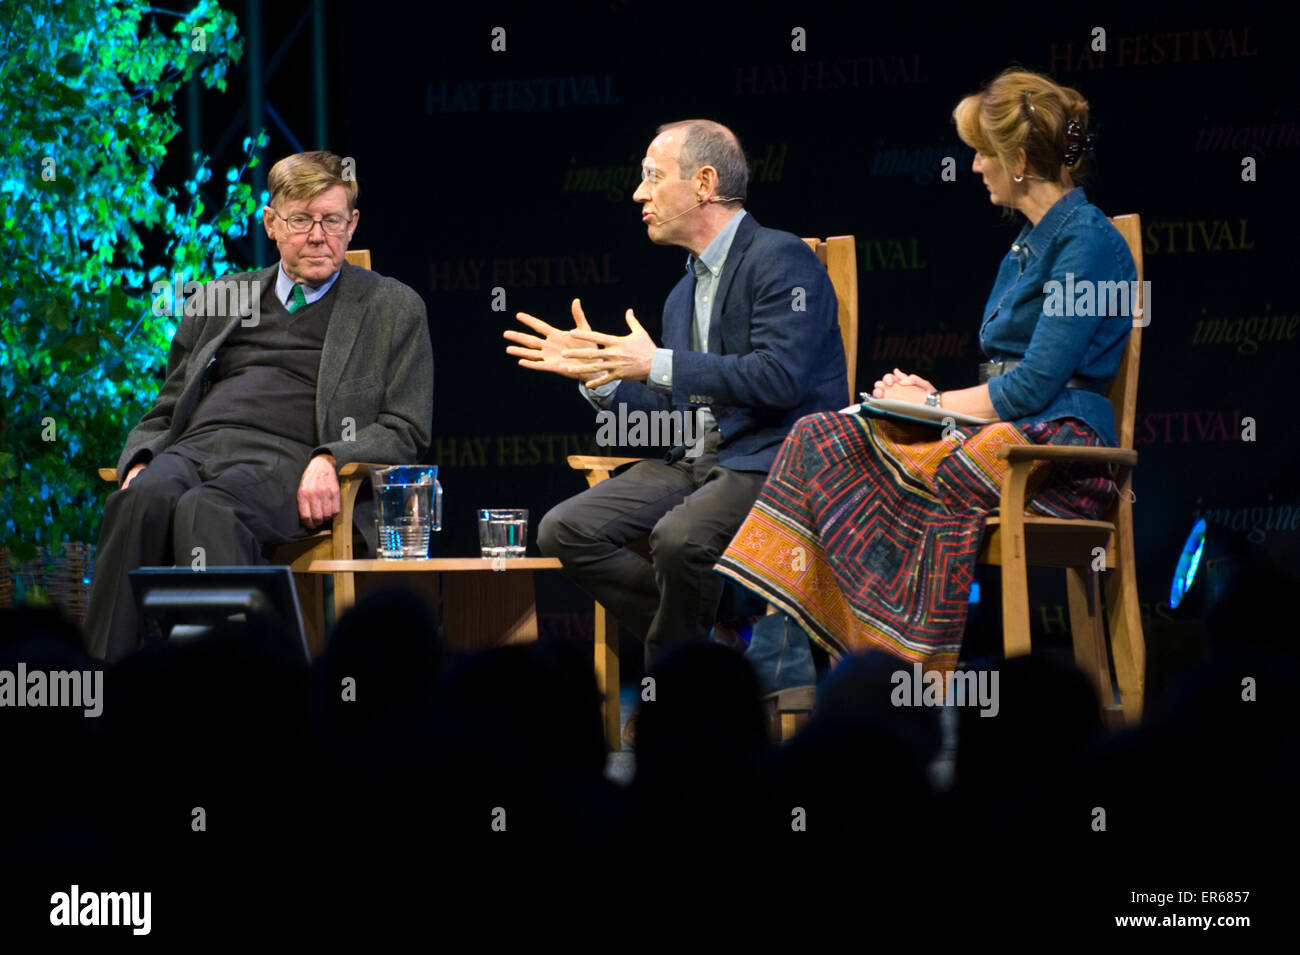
(178,602)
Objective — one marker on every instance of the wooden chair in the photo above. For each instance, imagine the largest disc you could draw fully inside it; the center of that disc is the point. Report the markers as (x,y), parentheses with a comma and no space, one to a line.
(1016,540)
(332,544)
(839,254)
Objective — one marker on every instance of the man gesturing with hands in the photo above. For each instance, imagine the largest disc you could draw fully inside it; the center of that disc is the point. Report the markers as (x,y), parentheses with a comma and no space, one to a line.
(750,345)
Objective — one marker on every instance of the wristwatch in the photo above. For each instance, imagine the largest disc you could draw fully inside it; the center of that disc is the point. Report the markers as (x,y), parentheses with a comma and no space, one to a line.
(932,399)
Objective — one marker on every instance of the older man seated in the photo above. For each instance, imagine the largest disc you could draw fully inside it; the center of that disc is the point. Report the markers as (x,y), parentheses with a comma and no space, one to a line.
(326,364)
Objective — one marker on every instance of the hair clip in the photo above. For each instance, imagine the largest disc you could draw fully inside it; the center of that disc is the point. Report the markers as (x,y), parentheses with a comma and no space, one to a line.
(1030,105)
(1077,142)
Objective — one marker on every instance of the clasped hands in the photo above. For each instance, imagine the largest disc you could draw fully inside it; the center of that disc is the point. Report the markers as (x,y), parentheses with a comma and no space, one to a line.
(902,387)
(592,357)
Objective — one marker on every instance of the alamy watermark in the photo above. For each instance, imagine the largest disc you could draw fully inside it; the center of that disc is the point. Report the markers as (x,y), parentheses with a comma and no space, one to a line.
(1088,299)
(75,907)
(220,298)
(946,688)
(76,688)
(643,429)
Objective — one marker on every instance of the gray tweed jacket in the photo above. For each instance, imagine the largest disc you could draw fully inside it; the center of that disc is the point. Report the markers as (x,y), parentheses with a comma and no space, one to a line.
(382,379)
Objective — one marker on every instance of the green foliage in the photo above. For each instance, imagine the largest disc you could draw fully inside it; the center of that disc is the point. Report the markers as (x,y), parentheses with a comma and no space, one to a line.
(86,90)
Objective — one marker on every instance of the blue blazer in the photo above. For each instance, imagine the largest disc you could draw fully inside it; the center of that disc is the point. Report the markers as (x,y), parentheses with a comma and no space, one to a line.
(775,352)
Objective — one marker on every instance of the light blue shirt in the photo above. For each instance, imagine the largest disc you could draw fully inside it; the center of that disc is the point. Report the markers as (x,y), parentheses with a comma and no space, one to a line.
(707,267)
(284,287)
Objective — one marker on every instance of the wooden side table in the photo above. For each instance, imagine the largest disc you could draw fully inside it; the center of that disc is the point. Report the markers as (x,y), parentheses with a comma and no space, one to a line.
(481,606)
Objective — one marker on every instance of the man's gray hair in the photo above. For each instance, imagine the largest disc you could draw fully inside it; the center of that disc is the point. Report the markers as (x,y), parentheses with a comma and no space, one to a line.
(711,144)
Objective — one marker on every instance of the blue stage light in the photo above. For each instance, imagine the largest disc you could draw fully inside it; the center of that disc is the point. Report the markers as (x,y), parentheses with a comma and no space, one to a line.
(1188,561)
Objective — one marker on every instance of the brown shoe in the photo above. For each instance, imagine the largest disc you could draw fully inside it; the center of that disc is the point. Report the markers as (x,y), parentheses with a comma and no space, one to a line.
(629,732)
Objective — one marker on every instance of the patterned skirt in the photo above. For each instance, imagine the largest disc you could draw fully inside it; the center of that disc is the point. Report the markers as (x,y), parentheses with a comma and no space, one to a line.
(867,530)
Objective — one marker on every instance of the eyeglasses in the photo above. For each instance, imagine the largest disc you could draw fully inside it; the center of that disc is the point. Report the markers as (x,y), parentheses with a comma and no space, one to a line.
(651,173)
(332,224)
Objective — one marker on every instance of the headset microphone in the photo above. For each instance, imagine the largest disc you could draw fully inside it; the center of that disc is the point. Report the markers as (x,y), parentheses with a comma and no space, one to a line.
(702,202)
(680,214)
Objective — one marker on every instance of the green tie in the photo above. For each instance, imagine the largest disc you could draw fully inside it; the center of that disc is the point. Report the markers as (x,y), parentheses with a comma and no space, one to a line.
(297,300)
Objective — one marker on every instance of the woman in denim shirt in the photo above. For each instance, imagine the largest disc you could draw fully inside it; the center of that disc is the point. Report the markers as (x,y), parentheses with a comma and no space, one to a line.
(867,530)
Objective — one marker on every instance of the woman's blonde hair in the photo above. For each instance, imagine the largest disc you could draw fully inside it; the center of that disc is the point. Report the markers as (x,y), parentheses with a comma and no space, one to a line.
(1023,110)
(307,175)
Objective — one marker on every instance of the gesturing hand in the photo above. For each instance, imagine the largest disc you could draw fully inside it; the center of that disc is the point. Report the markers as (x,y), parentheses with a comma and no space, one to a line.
(546,353)
(616,357)
(318,491)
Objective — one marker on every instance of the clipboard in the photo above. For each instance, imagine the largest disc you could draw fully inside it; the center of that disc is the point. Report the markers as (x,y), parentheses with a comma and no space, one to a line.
(912,413)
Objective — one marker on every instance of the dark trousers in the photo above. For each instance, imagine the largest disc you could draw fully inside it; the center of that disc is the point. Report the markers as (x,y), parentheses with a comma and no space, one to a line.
(691,509)
(231,492)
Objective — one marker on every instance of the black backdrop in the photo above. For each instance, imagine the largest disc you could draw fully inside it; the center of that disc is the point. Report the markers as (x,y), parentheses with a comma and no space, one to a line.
(482,169)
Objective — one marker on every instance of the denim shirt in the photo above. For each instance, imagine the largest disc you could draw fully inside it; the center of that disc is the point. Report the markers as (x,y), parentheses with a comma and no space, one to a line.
(1073,237)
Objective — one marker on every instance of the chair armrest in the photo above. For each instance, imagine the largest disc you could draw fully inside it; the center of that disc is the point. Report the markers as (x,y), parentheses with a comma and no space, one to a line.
(597,467)
(1071,453)
(108,474)
(352,477)
(1021,460)
(358,469)
(587,462)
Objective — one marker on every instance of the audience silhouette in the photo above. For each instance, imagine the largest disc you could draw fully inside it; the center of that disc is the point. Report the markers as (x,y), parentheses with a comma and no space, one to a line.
(228,754)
